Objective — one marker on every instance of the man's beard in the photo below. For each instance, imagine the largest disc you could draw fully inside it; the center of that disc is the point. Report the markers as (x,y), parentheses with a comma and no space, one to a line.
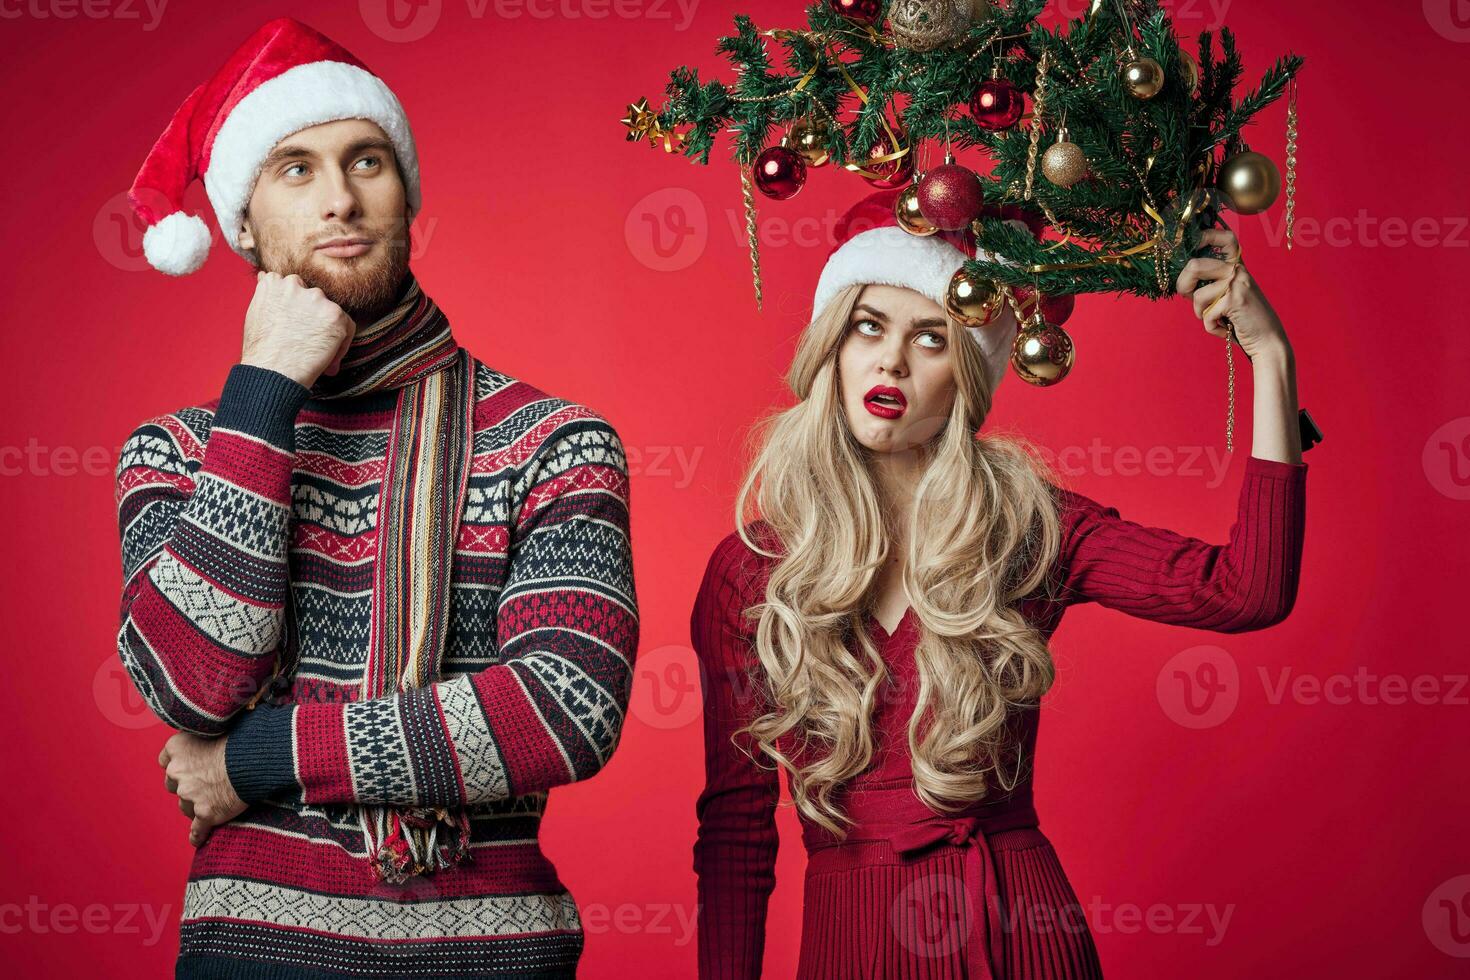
(365,286)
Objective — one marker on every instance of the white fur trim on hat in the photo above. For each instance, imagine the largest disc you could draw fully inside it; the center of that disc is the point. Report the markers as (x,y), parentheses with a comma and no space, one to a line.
(177,244)
(304,96)
(889,256)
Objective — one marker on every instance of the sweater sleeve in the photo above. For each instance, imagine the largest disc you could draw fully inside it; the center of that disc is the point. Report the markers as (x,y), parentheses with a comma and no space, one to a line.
(204,550)
(735,851)
(550,713)
(1153,573)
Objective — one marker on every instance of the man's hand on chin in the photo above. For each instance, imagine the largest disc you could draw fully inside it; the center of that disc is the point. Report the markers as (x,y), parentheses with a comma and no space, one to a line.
(194,770)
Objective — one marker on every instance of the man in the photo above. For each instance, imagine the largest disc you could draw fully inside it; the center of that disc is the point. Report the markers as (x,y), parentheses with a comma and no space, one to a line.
(383,591)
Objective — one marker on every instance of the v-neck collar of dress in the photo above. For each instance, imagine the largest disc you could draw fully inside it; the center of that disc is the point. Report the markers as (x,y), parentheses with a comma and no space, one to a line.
(897,629)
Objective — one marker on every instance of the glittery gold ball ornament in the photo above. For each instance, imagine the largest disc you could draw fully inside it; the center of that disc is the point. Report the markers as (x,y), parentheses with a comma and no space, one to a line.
(1250,182)
(1064,163)
(973,302)
(1042,353)
(910,218)
(809,138)
(1143,77)
(923,25)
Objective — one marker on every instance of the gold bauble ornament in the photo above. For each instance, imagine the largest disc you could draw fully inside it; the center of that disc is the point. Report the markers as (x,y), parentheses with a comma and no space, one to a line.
(1143,76)
(906,210)
(1250,182)
(923,25)
(809,138)
(973,302)
(1042,353)
(1064,163)
(1189,68)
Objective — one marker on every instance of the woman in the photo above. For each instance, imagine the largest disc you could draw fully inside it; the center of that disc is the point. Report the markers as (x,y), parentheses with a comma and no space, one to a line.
(878,630)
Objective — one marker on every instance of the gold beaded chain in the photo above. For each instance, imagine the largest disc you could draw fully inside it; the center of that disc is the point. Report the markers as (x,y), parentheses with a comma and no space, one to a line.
(1230,391)
(1291,121)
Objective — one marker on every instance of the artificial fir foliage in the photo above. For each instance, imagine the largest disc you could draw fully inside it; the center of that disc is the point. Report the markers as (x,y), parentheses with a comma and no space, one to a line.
(1151,159)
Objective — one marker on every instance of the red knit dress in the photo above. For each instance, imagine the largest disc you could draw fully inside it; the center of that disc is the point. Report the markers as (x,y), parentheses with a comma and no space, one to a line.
(915,894)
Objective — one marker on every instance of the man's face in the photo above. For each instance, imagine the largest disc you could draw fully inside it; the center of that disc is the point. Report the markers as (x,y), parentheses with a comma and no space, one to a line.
(338,180)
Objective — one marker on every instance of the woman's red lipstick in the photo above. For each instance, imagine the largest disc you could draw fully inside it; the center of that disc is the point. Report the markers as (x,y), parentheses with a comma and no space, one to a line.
(885,402)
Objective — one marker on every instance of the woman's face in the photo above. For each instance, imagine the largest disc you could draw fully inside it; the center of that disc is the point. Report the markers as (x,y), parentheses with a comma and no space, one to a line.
(893,364)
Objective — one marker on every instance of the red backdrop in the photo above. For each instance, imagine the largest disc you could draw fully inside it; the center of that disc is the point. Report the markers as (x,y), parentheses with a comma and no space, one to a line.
(1309,824)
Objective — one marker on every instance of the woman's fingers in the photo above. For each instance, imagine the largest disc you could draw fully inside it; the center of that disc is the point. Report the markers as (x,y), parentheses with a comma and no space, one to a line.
(187,806)
(1216,312)
(1224,239)
(1199,269)
(170,783)
(1205,296)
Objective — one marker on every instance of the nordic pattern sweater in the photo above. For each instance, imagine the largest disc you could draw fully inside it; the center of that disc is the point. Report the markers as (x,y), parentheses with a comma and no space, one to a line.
(228,509)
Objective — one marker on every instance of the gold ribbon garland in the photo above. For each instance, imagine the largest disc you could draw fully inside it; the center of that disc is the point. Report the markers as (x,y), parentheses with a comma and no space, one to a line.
(1158,241)
(820,50)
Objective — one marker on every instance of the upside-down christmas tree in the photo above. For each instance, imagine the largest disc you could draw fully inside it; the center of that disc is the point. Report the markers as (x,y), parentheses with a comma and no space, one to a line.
(1084,157)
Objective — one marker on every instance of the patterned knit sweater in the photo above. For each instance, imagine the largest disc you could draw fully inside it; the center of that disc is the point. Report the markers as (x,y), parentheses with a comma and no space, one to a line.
(268,494)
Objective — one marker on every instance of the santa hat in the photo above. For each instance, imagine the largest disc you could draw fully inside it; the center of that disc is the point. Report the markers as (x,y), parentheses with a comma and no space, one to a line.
(285,78)
(873,249)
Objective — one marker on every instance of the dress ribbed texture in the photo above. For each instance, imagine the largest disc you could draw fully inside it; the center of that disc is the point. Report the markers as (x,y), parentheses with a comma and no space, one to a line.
(874,909)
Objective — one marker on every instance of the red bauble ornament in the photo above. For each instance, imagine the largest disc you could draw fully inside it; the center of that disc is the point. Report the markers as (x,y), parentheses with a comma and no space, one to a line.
(858,11)
(950,196)
(779,172)
(890,173)
(997,104)
(1054,309)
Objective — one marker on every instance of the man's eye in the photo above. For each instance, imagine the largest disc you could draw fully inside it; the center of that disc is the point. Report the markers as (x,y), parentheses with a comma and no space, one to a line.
(292,167)
(372,160)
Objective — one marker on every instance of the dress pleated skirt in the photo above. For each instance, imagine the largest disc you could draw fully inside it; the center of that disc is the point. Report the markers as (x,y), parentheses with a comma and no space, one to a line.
(871,914)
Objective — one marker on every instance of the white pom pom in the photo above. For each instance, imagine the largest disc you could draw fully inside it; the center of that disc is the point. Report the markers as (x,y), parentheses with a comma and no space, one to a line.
(178,244)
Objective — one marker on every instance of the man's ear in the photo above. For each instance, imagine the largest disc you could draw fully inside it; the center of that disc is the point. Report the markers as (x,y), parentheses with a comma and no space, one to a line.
(244,238)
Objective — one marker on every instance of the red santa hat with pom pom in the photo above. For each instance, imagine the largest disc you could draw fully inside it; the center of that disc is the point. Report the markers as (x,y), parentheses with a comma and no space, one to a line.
(285,78)
(872,248)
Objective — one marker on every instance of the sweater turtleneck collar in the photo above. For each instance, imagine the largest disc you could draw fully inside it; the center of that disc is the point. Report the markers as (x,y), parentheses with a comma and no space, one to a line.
(409,342)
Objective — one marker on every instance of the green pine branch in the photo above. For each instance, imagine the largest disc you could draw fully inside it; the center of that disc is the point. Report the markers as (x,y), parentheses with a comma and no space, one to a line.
(1144,155)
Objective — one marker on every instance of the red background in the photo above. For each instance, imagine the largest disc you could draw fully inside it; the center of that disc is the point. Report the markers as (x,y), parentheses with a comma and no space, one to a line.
(1331,833)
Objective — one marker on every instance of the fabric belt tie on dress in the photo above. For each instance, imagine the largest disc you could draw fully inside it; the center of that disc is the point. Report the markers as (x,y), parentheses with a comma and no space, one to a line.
(895,814)
(979,869)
